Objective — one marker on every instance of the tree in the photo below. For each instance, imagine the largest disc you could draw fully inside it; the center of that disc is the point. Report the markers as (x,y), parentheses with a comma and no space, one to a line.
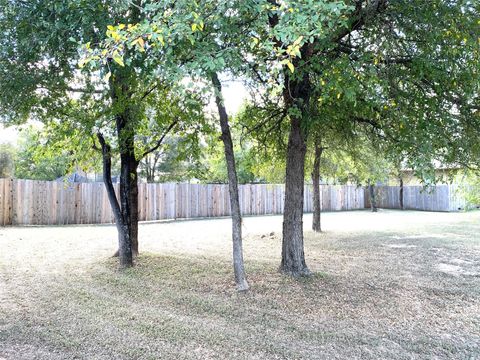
(469,188)
(179,159)
(7,154)
(106,105)
(37,161)
(295,39)
(238,264)
(382,65)
(42,35)
(164,112)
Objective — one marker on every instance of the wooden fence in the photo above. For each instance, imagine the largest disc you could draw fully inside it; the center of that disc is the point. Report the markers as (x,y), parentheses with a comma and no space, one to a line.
(29,202)
(439,198)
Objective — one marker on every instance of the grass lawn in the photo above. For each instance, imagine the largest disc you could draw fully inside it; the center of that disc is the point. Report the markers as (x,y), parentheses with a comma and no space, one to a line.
(403,285)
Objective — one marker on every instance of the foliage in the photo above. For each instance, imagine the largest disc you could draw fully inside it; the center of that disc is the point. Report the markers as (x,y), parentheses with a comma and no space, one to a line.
(7,159)
(179,159)
(390,72)
(469,188)
(399,79)
(73,103)
(404,73)
(37,161)
(216,168)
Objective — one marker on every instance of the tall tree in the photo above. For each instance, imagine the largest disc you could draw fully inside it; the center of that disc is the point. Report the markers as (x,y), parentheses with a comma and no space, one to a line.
(381,64)
(302,46)
(238,264)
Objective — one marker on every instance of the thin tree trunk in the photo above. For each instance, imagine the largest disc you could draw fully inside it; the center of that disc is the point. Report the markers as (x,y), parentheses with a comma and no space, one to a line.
(150,164)
(124,252)
(401,192)
(238,264)
(148,169)
(373,200)
(316,223)
(133,178)
(293,257)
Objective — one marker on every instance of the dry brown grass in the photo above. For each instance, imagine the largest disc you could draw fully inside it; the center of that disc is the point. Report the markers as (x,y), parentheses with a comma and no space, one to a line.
(401,285)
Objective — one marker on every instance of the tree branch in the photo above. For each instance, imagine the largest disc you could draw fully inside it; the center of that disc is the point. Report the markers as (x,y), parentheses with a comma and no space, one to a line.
(107,179)
(159,142)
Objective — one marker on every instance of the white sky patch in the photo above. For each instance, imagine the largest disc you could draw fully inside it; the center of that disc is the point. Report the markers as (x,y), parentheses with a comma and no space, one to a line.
(235,94)
(8,134)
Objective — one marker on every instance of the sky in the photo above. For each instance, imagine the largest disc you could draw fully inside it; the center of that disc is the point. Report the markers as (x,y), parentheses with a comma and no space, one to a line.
(8,135)
(234,93)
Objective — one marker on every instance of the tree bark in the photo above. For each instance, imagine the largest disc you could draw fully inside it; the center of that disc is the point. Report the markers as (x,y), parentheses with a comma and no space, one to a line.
(293,257)
(238,264)
(128,185)
(133,178)
(316,223)
(296,95)
(124,245)
(401,192)
(373,200)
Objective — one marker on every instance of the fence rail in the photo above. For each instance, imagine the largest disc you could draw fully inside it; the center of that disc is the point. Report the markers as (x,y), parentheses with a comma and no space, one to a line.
(30,202)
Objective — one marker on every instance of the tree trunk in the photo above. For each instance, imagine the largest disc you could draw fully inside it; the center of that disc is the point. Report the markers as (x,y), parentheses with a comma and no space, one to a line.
(128,189)
(125,132)
(373,200)
(129,202)
(238,264)
(134,205)
(125,251)
(146,163)
(401,192)
(150,165)
(296,96)
(316,223)
(293,257)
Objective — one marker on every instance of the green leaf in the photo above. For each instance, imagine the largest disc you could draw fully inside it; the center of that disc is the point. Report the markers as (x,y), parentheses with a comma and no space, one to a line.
(290,66)
(107,76)
(118,59)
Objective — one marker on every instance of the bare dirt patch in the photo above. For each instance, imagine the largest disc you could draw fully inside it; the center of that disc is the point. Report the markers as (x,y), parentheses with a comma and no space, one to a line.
(382,288)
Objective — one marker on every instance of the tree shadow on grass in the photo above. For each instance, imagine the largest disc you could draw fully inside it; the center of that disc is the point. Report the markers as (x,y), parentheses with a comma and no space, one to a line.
(174,304)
